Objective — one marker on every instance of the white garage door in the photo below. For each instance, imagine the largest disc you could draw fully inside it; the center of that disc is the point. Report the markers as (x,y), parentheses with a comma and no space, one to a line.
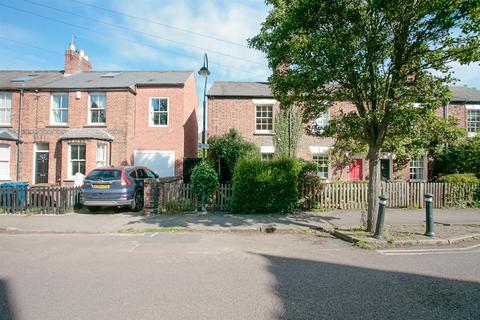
(161,162)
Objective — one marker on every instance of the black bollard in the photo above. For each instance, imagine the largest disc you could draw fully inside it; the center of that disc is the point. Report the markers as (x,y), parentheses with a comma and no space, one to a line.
(381,216)
(429,214)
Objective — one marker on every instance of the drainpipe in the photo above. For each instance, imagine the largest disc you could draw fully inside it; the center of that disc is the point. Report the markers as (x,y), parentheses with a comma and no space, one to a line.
(19,132)
(110,153)
(445,115)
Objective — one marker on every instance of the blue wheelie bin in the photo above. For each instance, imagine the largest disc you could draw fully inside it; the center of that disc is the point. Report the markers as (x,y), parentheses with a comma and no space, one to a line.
(7,194)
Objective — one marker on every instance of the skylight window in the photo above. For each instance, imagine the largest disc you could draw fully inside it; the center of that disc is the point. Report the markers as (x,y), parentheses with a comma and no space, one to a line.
(25,78)
(111,74)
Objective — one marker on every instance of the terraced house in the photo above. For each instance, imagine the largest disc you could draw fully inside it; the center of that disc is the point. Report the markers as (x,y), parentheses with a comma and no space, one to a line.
(250,108)
(54,124)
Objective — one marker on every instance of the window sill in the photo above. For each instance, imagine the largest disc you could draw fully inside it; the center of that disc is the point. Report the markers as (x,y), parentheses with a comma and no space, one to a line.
(5,125)
(159,126)
(472,134)
(57,126)
(263,133)
(103,125)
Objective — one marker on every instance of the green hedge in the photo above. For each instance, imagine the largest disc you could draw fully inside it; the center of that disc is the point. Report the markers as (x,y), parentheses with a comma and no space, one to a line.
(463,158)
(265,186)
(460,177)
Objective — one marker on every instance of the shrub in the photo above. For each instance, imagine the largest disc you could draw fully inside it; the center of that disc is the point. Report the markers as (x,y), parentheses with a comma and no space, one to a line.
(307,170)
(460,178)
(230,146)
(463,158)
(204,178)
(265,186)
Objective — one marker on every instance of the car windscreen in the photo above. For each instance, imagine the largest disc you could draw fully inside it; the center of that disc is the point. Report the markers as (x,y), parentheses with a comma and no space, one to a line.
(104,174)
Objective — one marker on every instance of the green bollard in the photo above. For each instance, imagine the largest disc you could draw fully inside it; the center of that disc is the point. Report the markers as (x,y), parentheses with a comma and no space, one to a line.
(381,216)
(429,214)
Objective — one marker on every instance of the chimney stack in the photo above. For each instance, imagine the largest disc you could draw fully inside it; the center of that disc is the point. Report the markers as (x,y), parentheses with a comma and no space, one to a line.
(76,61)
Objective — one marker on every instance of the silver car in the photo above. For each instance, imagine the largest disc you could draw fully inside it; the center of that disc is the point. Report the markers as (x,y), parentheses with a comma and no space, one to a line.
(115,187)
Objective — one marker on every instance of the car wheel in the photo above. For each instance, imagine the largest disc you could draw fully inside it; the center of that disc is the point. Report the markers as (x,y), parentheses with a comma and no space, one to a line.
(137,203)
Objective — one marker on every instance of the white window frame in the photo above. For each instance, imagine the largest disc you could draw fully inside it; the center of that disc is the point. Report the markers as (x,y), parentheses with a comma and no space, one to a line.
(420,159)
(323,155)
(264,105)
(320,123)
(268,156)
(52,109)
(3,96)
(70,176)
(103,161)
(8,160)
(473,107)
(35,150)
(151,112)
(95,94)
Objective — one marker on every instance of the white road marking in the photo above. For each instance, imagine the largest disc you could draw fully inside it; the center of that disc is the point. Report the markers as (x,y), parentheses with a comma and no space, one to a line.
(153,234)
(428,251)
(137,244)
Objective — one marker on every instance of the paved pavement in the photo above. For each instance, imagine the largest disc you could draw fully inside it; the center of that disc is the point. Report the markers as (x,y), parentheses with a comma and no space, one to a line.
(405,216)
(111,223)
(228,276)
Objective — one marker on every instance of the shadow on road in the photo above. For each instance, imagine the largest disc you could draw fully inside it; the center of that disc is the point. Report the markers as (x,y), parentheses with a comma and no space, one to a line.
(6,304)
(318,290)
(230,220)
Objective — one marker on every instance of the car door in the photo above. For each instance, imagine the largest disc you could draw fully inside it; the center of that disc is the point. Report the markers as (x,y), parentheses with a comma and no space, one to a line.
(141,176)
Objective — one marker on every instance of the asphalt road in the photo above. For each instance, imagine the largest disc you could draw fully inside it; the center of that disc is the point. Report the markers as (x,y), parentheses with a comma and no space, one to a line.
(229,276)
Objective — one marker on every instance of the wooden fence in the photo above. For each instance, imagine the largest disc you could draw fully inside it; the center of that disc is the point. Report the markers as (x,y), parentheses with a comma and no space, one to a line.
(38,199)
(353,195)
(174,195)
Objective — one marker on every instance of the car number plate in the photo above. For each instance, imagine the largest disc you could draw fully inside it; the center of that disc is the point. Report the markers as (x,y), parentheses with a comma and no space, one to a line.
(101,186)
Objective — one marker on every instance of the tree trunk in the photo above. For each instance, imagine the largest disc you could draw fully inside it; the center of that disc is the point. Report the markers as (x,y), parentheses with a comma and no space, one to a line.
(374,187)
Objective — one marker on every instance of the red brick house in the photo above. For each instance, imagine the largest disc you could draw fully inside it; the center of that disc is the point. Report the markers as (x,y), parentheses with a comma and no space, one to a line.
(56,123)
(250,108)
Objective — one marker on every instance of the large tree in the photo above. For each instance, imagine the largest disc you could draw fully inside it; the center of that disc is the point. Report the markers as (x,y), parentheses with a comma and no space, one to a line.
(390,58)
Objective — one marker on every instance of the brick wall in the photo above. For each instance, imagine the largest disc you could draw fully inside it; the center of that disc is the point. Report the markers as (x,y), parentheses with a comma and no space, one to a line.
(190,118)
(126,121)
(239,113)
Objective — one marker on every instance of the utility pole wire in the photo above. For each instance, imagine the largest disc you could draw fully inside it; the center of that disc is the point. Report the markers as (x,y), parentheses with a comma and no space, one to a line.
(160,24)
(109,35)
(140,32)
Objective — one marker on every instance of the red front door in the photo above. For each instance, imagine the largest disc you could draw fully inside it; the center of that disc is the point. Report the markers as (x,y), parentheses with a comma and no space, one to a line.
(356,169)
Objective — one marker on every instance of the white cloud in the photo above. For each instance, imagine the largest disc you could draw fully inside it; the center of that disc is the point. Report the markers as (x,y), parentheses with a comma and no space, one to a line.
(234,21)
(467,74)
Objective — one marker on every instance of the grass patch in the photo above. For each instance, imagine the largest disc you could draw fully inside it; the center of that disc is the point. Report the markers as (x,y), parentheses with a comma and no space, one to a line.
(391,240)
(130,230)
(164,229)
(322,209)
(365,245)
(360,233)
(306,229)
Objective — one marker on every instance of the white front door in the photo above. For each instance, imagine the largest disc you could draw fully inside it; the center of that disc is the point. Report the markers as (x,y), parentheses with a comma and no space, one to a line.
(161,162)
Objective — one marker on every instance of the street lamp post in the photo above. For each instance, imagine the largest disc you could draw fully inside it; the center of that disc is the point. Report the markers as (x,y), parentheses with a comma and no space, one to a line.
(204,72)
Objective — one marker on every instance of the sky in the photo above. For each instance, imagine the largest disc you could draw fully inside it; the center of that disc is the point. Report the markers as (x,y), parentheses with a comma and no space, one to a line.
(145,35)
